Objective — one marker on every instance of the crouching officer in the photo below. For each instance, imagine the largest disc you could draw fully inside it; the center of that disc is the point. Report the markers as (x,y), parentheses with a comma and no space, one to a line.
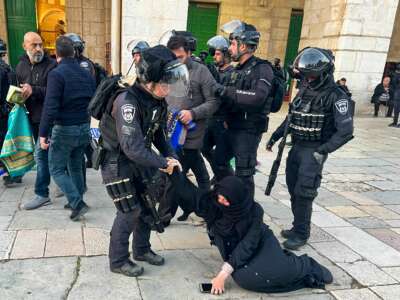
(215,136)
(321,121)
(132,123)
(247,94)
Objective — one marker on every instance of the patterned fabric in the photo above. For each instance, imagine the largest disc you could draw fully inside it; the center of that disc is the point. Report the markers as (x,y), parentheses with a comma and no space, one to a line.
(18,147)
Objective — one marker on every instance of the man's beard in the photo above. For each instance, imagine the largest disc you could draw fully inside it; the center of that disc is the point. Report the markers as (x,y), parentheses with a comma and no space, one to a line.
(35,58)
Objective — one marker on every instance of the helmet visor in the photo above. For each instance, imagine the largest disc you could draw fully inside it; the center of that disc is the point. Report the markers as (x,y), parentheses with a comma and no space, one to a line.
(232,26)
(175,80)
(165,37)
(311,62)
(136,46)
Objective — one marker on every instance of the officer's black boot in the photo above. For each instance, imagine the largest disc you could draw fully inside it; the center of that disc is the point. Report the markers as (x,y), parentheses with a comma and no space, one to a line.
(183,217)
(129,269)
(301,224)
(290,233)
(151,258)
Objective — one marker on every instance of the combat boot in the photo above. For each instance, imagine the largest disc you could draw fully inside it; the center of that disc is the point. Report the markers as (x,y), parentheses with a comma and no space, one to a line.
(288,233)
(129,269)
(151,258)
(294,243)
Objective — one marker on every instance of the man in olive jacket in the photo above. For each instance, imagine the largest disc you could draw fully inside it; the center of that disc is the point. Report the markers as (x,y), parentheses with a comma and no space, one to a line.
(199,105)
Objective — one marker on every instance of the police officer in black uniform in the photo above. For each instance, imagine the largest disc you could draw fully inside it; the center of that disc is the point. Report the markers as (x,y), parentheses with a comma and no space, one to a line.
(247,94)
(97,71)
(133,123)
(215,138)
(321,122)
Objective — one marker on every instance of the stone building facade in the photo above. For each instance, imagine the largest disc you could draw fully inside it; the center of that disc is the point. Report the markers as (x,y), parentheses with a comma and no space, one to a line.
(363,34)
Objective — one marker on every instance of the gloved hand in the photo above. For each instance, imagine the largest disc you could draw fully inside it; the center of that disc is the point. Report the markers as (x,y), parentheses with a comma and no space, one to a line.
(270,144)
(320,158)
(219,90)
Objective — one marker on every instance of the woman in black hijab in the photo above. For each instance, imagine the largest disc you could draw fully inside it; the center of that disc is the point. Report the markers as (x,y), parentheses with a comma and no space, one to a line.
(252,255)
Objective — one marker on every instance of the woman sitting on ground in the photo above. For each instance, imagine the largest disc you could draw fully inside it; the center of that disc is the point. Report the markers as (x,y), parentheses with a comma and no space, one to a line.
(252,255)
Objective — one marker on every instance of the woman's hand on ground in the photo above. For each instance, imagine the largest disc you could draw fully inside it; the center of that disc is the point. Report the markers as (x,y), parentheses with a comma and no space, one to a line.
(218,283)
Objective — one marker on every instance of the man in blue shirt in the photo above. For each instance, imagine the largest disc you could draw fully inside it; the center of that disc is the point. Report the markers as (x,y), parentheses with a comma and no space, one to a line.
(69,90)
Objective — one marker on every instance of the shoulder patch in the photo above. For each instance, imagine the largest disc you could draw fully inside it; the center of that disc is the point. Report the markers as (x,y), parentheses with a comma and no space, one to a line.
(84,64)
(342,106)
(128,112)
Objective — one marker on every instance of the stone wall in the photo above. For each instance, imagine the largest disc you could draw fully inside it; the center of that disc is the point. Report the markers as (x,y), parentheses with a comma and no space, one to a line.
(271,18)
(148,20)
(359,32)
(3,23)
(91,20)
(394,49)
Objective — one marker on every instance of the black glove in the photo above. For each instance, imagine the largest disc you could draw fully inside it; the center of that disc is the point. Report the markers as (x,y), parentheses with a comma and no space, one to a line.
(219,90)
(270,144)
(320,158)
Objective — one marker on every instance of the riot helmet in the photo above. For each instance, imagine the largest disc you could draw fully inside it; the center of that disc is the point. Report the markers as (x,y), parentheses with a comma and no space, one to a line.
(316,65)
(79,44)
(137,46)
(243,33)
(159,65)
(191,40)
(3,48)
(219,43)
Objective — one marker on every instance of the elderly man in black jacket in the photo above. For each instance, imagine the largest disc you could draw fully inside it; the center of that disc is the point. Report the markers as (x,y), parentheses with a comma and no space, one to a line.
(32,71)
(383,94)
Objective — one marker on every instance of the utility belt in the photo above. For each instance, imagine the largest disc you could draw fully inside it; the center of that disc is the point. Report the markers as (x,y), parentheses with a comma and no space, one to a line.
(248,121)
(307,126)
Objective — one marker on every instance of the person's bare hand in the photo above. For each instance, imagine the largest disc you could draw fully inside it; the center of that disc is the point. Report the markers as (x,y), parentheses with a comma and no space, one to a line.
(218,283)
(43,143)
(185,116)
(26,90)
(171,164)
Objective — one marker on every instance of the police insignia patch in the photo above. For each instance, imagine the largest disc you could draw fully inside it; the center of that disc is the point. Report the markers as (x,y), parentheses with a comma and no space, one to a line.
(342,106)
(128,112)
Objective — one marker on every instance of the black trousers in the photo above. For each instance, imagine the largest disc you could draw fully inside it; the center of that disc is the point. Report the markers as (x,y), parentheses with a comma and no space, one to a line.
(396,112)
(389,111)
(303,178)
(191,159)
(218,158)
(124,225)
(243,145)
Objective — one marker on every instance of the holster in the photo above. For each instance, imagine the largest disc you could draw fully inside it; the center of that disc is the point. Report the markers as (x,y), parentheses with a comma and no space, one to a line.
(98,154)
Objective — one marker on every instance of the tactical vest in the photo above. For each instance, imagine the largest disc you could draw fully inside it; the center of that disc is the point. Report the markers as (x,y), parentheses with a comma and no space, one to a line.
(309,115)
(153,118)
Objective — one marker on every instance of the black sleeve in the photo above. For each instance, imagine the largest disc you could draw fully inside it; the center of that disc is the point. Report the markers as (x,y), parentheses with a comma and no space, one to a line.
(375,96)
(279,132)
(343,121)
(130,136)
(244,251)
(255,97)
(162,144)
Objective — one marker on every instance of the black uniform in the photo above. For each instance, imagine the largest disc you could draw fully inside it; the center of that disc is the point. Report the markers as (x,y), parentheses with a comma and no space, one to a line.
(248,95)
(138,121)
(321,123)
(396,97)
(216,134)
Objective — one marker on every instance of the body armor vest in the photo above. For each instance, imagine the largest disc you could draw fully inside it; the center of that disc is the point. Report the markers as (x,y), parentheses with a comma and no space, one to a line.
(153,118)
(246,79)
(308,116)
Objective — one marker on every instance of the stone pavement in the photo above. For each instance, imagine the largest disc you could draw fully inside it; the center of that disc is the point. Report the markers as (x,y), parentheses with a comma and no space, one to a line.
(356,234)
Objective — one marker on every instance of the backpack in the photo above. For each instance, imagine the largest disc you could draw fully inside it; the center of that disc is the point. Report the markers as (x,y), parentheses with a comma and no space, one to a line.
(278,90)
(107,89)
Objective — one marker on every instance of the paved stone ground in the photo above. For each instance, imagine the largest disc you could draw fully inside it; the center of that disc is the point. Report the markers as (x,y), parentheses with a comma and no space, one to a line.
(356,234)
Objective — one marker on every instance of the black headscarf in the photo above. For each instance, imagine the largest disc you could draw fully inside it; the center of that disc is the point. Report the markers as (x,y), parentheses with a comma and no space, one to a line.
(240,205)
